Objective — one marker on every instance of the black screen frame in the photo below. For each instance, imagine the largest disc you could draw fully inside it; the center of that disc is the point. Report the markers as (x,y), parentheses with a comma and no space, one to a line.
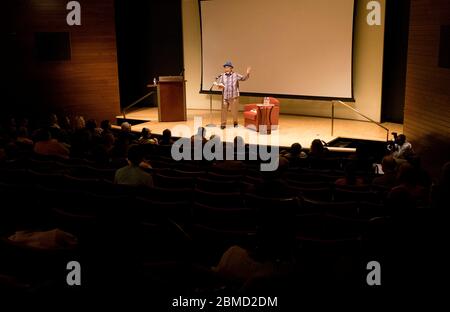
(287,96)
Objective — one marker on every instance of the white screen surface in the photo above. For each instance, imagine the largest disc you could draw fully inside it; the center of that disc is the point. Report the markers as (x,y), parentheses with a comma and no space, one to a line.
(295,47)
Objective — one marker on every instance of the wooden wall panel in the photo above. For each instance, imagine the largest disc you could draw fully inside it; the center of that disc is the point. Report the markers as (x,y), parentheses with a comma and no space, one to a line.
(85,85)
(427,105)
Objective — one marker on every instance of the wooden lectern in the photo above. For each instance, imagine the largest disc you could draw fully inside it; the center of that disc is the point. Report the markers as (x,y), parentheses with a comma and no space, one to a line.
(171,98)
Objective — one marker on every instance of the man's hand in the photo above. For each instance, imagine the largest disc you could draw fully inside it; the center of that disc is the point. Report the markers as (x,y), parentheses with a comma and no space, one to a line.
(249,69)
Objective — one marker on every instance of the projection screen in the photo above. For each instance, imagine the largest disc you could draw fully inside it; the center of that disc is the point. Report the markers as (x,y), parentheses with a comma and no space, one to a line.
(295,47)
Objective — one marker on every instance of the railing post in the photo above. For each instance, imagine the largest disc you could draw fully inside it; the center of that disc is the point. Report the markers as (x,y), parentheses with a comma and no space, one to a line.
(356,111)
(332,118)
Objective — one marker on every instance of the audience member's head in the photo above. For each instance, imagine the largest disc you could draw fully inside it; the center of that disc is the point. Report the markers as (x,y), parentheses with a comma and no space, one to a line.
(125,127)
(66,123)
(145,133)
(91,125)
(135,155)
(296,149)
(105,125)
(401,139)
(407,174)
(317,148)
(167,133)
(79,123)
(53,120)
(166,138)
(388,164)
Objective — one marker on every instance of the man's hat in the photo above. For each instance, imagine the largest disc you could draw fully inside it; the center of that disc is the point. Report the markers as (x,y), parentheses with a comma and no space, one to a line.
(228,64)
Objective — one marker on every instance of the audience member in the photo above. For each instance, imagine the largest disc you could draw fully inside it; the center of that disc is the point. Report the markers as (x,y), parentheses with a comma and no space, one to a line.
(166,138)
(133,174)
(47,146)
(389,177)
(402,148)
(106,127)
(22,137)
(408,193)
(273,184)
(146,137)
(124,139)
(317,149)
(80,139)
(295,154)
(102,152)
(350,176)
(55,129)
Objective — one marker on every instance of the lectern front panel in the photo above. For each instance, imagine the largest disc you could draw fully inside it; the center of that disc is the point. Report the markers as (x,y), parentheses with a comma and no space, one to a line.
(171,101)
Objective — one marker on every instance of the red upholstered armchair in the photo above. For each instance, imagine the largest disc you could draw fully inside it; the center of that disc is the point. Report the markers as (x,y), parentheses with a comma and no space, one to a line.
(251,115)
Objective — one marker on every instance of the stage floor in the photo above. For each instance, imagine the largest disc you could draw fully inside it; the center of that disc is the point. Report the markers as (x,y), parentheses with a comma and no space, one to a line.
(292,128)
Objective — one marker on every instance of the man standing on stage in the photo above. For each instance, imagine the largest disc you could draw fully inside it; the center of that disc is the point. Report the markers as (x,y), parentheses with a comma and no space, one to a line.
(228,82)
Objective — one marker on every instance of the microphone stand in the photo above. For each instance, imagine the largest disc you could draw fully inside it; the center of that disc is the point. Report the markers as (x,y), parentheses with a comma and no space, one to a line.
(211,124)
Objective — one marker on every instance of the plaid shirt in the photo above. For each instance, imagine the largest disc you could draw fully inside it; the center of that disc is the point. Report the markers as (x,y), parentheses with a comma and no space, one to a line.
(231,83)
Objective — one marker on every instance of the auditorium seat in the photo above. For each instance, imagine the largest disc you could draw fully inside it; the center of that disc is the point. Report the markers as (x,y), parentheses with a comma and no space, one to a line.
(253,179)
(35,264)
(83,226)
(326,226)
(224,177)
(342,194)
(306,184)
(369,210)
(307,177)
(20,206)
(81,184)
(48,179)
(44,166)
(219,199)
(210,243)
(92,172)
(14,176)
(191,173)
(163,194)
(282,206)
(344,209)
(161,180)
(224,218)
(162,241)
(327,163)
(151,210)
(322,194)
(336,262)
(210,185)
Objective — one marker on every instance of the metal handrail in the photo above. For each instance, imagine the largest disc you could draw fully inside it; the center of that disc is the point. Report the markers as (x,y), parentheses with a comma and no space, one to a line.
(135,102)
(359,113)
